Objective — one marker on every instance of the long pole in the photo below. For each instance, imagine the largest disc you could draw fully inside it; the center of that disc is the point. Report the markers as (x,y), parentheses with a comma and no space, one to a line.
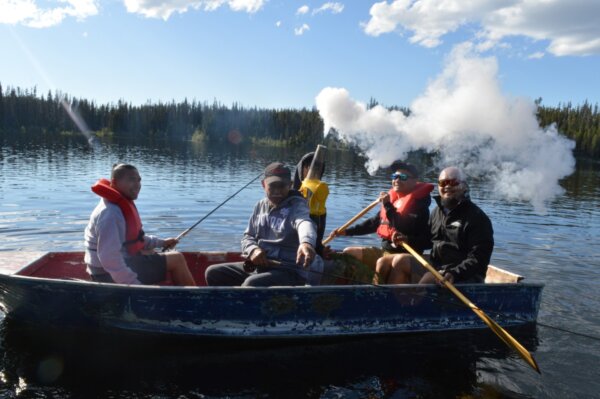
(495,327)
(354,219)
(180,236)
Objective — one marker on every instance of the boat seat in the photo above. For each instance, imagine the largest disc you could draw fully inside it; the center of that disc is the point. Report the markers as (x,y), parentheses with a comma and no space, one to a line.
(496,275)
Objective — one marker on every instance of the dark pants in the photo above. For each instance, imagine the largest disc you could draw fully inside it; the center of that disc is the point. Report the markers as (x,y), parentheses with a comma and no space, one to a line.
(320,222)
(150,269)
(233,274)
(418,271)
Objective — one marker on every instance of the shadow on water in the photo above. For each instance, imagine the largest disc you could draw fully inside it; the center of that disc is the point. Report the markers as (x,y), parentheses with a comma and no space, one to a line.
(84,364)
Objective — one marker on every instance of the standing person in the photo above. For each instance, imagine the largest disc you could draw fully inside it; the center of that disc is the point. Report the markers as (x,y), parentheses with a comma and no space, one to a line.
(316,200)
(114,239)
(279,241)
(461,234)
(404,213)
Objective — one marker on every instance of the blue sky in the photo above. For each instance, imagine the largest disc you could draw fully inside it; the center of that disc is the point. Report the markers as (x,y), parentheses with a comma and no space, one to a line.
(281,54)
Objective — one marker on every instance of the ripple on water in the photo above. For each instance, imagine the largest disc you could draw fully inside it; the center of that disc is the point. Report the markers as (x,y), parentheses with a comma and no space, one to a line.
(48,205)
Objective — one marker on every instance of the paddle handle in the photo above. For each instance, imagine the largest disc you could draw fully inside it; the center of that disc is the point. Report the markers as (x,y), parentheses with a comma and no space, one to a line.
(354,219)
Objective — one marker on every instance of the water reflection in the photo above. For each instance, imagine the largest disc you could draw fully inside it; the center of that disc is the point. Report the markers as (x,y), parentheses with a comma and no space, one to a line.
(45,202)
(425,365)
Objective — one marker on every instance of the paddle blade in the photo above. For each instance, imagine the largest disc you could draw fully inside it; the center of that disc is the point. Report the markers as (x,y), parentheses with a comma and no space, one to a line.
(508,339)
(495,327)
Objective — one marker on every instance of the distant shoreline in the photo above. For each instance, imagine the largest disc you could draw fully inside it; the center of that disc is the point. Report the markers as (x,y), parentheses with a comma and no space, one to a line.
(24,111)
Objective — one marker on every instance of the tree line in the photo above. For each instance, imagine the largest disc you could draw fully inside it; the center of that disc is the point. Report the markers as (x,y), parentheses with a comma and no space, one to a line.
(580,123)
(24,111)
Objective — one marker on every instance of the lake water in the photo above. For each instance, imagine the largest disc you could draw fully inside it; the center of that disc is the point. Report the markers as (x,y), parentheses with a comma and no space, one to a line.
(45,202)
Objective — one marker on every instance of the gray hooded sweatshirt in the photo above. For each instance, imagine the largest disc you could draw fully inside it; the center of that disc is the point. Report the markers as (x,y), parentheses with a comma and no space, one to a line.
(104,238)
(280,230)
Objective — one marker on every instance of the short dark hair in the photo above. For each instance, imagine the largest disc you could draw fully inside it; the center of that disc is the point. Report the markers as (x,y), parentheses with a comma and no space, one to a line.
(118,170)
(401,165)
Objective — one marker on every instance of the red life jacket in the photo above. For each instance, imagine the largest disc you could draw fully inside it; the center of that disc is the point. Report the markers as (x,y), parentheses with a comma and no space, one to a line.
(134,235)
(403,204)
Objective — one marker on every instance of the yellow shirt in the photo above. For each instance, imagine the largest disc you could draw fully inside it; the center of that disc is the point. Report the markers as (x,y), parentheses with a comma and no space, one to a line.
(316,192)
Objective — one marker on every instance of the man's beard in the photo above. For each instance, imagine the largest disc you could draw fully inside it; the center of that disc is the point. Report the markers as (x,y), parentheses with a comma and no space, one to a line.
(449,202)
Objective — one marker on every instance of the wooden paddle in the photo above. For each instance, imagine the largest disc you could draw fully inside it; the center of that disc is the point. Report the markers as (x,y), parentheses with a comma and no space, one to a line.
(495,327)
(354,219)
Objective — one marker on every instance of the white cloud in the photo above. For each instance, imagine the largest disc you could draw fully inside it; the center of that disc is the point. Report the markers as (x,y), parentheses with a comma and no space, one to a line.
(278,24)
(28,13)
(300,31)
(165,8)
(571,27)
(465,119)
(249,6)
(302,10)
(335,8)
(536,56)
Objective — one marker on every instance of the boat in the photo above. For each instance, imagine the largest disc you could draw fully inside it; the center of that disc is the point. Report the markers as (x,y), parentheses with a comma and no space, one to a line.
(53,289)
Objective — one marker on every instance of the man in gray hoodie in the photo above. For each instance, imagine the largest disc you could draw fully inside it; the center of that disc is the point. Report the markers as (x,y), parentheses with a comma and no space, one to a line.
(279,241)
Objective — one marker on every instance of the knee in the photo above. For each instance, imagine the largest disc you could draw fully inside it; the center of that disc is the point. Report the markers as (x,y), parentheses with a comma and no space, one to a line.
(399,261)
(382,265)
(353,251)
(428,278)
(211,275)
(256,280)
(180,259)
(175,259)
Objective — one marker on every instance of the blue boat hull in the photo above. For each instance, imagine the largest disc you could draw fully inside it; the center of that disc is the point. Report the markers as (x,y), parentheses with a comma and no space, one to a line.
(275,312)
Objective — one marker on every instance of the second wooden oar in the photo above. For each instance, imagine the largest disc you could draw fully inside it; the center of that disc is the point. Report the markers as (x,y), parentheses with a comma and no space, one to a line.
(354,219)
(495,327)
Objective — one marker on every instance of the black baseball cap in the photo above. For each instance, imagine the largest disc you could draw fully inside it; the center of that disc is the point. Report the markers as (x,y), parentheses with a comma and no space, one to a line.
(410,168)
(277,171)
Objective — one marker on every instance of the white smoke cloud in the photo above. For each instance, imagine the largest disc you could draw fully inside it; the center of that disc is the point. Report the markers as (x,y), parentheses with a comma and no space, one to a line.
(464,118)
(28,13)
(571,27)
(165,8)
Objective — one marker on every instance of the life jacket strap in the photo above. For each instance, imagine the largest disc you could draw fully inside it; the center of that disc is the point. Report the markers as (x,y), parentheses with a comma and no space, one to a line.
(140,237)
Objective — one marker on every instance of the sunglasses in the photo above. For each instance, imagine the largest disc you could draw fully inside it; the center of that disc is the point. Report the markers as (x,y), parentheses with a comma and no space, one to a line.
(448,182)
(401,176)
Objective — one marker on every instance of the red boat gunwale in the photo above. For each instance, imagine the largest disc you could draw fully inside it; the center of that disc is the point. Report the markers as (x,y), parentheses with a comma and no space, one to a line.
(70,265)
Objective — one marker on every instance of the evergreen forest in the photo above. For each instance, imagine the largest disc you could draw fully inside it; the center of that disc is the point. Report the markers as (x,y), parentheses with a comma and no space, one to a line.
(24,111)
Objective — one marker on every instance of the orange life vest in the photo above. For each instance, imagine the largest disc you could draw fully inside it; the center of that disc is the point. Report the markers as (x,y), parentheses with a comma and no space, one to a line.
(403,204)
(134,235)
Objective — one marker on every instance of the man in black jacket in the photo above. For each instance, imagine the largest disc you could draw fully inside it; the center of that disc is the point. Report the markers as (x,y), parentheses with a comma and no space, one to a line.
(461,234)
(404,213)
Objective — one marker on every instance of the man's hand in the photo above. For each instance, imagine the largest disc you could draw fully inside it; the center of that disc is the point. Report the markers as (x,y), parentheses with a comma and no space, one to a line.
(306,254)
(336,233)
(384,197)
(398,238)
(327,252)
(449,277)
(170,243)
(258,257)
